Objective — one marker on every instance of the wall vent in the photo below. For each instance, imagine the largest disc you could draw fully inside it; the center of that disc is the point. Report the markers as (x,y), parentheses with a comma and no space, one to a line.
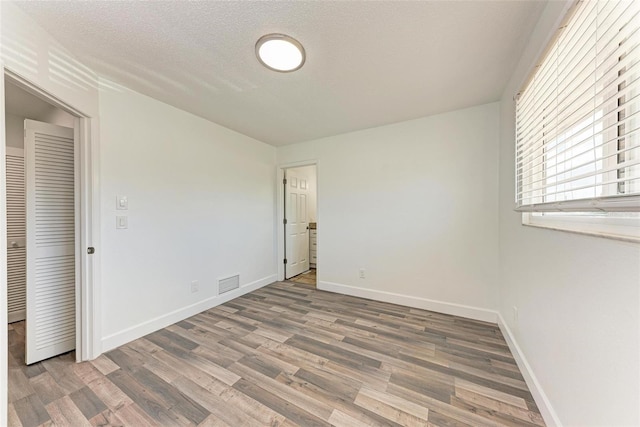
(228,284)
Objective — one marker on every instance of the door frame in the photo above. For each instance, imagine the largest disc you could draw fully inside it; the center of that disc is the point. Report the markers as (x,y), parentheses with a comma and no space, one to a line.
(280,238)
(86,218)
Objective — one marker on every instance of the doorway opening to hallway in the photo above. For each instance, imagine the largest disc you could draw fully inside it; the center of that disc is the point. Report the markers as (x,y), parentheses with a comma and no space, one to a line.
(300,224)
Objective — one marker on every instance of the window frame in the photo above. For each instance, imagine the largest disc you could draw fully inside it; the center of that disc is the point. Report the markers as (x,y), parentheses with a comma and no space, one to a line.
(588,215)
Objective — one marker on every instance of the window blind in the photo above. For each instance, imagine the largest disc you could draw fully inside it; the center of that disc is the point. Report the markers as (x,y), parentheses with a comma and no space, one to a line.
(578,118)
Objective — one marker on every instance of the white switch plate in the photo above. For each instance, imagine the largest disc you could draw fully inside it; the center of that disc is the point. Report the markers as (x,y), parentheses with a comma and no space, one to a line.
(122,222)
(122,203)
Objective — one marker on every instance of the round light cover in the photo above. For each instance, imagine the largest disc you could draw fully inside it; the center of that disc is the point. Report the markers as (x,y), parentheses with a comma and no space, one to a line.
(280,52)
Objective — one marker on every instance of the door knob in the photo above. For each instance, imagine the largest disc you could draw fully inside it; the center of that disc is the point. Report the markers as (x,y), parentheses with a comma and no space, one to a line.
(14,244)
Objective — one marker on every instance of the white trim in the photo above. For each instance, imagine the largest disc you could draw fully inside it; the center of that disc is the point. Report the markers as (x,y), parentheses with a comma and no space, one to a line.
(134,332)
(87,291)
(3,258)
(617,228)
(280,210)
(544,405)
(475,313)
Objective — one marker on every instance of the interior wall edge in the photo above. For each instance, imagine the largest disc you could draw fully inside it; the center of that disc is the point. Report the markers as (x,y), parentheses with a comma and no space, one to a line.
(140,330)
(466,311)
(540,397)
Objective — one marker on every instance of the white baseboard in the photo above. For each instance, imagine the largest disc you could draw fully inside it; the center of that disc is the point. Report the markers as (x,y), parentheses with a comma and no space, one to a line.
(467,311)
(119,338)
(547,411)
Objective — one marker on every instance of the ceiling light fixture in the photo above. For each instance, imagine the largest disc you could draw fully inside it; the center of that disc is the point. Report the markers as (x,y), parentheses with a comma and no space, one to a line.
(279,52)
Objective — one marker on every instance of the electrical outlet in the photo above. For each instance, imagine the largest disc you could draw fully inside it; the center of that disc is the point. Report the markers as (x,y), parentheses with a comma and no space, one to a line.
(515,316)
(362,273)
(195,286)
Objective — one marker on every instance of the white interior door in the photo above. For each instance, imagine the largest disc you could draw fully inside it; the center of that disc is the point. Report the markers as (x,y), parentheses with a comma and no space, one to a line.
(16,244)
(297,226)
(51,222)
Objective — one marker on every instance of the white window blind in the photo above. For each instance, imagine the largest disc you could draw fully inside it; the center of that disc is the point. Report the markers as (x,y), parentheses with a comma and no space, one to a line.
(578,118)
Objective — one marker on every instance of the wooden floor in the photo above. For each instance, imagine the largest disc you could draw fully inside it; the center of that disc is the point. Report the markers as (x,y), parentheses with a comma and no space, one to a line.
(284,355)
(306,278)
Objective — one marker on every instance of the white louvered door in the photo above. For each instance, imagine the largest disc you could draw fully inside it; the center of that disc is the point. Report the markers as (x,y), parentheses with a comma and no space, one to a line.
(51,272)
(16,244)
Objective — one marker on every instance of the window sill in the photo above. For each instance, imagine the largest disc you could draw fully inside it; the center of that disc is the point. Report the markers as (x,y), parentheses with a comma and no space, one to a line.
(626,230)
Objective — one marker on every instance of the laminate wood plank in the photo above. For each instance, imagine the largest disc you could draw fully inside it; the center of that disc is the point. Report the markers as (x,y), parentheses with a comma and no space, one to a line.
(213,421)
(346,388)
(89,404)
(57,417)
(436,406)
(441,420)
(12,416)
(212,369)
(33,370)
(61,370)
(332,352)
(46,388)
(389,412)
(20,385)
(104,364)
(171,342)
(31,411)
(263,414)
(189,371)
(336,401)
(340,419)
(66,408)
(216,405)
(111,395)
(148,401)
(86,372)
(498,406)
(171,397)
(133,415)
(418,411)
(491,392)
(284,355)
(107,418)
(434,386)
(316,408)
(282,406)
(499,418)
(498,383)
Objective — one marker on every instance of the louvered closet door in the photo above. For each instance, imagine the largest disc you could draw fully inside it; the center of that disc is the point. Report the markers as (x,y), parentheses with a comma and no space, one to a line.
(16,245)
(51,277)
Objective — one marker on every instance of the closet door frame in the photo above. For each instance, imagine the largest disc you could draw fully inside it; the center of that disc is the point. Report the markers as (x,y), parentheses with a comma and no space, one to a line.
(88,313)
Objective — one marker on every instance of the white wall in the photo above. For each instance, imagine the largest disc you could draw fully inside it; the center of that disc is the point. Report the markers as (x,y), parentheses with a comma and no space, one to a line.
(201,207)
(578,296)
(415,205)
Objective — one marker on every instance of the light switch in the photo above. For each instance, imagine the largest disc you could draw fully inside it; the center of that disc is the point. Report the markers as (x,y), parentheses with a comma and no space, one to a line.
(122,203)
(122,222)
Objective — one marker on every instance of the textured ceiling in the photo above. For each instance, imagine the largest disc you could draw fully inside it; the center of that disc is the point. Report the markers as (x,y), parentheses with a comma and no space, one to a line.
(368,63)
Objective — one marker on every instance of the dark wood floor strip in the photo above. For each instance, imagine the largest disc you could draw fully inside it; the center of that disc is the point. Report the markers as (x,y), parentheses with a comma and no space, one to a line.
(284,355)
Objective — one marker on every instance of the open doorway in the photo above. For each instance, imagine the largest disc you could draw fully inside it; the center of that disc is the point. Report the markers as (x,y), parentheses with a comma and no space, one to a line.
(43,226)
(300,225)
